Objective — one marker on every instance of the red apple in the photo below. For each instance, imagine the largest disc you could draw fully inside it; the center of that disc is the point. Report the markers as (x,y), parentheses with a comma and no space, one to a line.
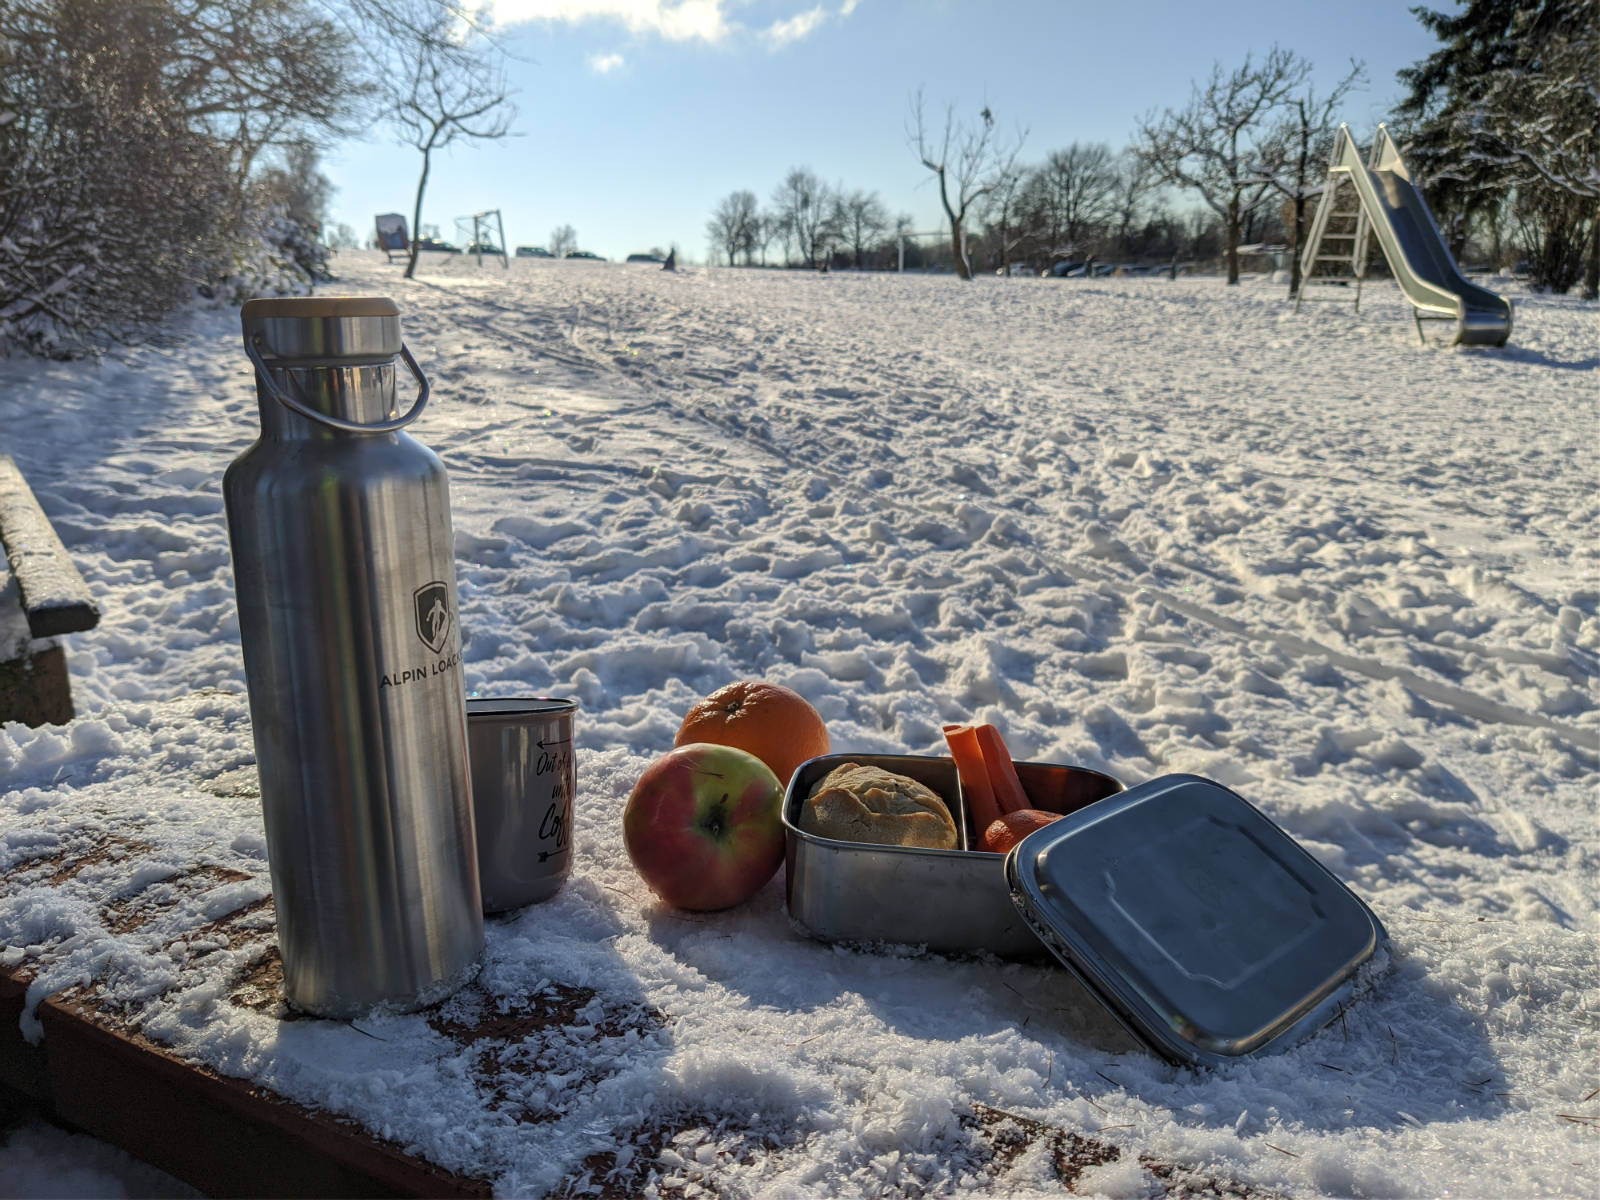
(703,826)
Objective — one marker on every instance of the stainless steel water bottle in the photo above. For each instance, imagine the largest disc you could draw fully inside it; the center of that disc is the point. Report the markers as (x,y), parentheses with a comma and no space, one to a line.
(339,524)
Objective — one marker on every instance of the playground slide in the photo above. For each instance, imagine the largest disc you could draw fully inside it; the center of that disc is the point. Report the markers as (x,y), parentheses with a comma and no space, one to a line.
(1422,264)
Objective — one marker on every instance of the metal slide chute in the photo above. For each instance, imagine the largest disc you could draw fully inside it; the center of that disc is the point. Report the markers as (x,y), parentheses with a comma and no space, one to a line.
(1379,199)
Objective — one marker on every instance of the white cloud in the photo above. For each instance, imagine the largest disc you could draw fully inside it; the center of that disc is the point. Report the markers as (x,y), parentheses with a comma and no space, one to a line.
(674,20)
(604,64)
(796,28)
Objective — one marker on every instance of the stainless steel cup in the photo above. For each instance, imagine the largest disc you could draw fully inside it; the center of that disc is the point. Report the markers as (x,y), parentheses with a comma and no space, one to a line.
(522,787)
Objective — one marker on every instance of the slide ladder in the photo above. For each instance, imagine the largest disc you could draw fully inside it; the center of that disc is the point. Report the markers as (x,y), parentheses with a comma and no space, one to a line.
(1378,198)
(1336,245)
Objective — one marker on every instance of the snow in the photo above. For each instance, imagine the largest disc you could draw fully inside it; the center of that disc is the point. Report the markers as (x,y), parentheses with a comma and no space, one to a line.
(1144,526)
(46,1163)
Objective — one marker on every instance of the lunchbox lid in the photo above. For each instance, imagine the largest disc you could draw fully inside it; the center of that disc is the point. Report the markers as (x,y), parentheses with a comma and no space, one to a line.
(1205,929)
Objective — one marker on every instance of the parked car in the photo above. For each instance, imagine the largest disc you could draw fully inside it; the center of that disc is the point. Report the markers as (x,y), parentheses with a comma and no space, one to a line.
(1067,270)
(483,248)
(584,254)
(437,246)
(646,258)
(533,252)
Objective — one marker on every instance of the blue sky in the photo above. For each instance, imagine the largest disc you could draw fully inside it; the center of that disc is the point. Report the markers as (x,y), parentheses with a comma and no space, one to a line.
(637,116)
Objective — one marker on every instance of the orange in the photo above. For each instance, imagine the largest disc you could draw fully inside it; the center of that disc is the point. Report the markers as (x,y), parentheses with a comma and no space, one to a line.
(768,720)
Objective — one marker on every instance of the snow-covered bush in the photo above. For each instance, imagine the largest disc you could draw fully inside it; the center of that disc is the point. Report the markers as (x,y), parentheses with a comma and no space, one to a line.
(129,152)
(274,255)
(301,245)
(109,202)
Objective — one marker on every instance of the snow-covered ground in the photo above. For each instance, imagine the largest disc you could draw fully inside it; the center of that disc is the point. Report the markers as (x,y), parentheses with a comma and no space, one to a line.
(1144,526)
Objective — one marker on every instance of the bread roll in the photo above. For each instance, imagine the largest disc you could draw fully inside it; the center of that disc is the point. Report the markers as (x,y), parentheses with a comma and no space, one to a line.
(856,803)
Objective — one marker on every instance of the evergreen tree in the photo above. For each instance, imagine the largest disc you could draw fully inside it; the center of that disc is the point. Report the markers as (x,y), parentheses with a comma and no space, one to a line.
(1508,103)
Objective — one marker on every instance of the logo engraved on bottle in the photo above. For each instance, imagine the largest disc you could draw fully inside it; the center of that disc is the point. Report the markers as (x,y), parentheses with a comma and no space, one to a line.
(432,604)
(431,609)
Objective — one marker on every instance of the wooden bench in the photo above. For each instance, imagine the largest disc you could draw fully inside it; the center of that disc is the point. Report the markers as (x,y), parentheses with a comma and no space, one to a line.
(42,596)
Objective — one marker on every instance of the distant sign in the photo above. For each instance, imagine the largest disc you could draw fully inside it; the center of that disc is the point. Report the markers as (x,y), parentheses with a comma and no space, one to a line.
(391,231)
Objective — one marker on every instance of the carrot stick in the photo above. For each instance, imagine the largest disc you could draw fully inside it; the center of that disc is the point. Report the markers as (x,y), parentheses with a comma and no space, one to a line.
(1004,785)
(964,748)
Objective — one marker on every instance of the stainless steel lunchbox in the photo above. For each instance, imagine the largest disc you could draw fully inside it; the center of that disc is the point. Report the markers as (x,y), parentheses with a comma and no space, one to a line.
(951,901)
(1203,928)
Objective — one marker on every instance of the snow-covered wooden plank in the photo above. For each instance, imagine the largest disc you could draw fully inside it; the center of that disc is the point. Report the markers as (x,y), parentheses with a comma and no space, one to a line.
(15,636)
(53,594)
(34,686)
(225,1136)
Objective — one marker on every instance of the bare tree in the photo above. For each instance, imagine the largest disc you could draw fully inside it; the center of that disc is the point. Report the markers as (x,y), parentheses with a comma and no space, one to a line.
(804,202)
(1212,144)
(776,225)
(967,160)
(343,237)
(443,83)
(1072,198)
(563,240)
(732,226)
(862,220)
(1136,180)
(762,231)
(299,185)
(1001,215)
(260,73)
(1295,155)
(722,231)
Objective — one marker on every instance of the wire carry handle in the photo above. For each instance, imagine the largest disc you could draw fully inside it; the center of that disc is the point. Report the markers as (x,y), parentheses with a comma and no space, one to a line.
(253,347)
